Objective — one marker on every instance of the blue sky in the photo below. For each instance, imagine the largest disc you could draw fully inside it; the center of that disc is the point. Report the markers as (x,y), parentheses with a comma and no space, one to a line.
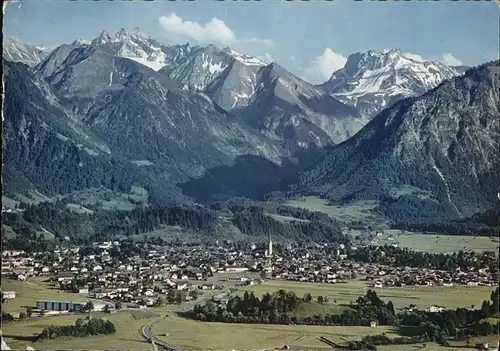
(311,39)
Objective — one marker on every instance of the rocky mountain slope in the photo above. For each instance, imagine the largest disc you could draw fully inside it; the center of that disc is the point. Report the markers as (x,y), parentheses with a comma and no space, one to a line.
(236,82)
(437,152)
(123,110)
(266,97)
(46,148)
(286,108)
(227,76)
(372,81)
(16,51)
(122,100)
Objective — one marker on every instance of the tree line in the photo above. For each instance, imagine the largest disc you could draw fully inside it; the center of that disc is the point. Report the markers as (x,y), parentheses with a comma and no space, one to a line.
(277,308)
(81,328)
(481,224)
(84,228)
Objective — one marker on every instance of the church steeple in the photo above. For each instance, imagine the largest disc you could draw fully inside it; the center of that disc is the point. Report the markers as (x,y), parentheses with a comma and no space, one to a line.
(270,246)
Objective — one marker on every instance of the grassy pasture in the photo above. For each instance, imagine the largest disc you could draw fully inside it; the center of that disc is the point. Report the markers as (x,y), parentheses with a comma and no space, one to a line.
(421,296)
(447,243)
(286,219)
(28,292)
(435,243)
(127,337)
(195,335)
(364,211)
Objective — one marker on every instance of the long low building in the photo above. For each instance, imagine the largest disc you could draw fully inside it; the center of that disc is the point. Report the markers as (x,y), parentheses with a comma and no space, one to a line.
(70,306)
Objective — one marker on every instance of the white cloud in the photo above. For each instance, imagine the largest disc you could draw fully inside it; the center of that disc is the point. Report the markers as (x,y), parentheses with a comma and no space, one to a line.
(324,65)
(214,31)
(266,58)
(450,60)
(415,57)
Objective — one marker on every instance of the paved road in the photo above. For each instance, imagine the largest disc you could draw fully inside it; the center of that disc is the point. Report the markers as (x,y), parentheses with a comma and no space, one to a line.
(147,333)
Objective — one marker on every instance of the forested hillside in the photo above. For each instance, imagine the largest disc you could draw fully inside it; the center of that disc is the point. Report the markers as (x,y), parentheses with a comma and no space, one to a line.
(23,230)
(483,223)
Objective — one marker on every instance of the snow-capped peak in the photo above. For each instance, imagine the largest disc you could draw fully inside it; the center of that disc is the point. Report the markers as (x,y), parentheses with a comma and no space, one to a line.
(134,45)
(373,80)
(243,58)
(80,41)
(14,50)
(122,35)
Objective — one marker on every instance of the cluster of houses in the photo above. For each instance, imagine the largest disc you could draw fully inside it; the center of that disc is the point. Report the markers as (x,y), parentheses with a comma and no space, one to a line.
(138,280)
(313,265)
(102,272)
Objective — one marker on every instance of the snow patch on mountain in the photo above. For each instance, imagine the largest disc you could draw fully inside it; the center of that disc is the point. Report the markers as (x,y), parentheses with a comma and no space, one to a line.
(15,51)
(244,58)
(209,65)
(372,80)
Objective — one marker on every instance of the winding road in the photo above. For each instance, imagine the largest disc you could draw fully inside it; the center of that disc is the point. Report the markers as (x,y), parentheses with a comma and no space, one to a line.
(147,332)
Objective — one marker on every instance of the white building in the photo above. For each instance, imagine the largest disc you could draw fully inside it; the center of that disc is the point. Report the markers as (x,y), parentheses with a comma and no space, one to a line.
(435,309)
(8,295)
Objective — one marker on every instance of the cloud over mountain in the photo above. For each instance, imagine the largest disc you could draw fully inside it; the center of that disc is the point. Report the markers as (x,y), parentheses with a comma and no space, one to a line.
(450,60)
(321,67)
(214,31)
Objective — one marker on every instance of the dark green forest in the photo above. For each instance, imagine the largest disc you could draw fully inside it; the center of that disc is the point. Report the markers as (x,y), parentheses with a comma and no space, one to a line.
(481,224)
(251,218)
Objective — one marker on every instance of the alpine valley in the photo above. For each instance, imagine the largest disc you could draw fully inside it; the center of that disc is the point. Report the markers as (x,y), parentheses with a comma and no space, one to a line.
(156,124)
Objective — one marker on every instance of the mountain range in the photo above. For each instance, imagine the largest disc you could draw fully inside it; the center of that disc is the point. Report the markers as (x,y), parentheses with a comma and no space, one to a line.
(188,122)
(16,51)
(372,81)
(440,148)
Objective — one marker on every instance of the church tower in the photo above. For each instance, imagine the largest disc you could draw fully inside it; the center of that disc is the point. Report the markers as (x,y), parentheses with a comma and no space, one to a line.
(270,247)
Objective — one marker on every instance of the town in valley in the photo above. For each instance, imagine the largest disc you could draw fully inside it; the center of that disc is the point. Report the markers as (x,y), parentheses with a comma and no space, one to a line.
(237,175)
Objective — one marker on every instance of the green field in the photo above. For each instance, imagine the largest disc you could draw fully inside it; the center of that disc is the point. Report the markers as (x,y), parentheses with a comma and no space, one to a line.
(286,219)
(8,202)
(192,335)
(420,296)
(447,243)
(79,209)
(359,211)
(196,335)
(436,243)
(128,325)
(28,292)
(365,212)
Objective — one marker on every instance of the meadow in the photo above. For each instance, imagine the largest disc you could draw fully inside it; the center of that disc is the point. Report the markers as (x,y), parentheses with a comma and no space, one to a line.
(365,212)
(447,243)
(127,337)
(420,296)
(28,292)
(359,211)
(195,335)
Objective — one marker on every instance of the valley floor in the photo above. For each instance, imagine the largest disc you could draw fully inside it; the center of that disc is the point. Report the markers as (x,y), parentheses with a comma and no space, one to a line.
(195,335)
